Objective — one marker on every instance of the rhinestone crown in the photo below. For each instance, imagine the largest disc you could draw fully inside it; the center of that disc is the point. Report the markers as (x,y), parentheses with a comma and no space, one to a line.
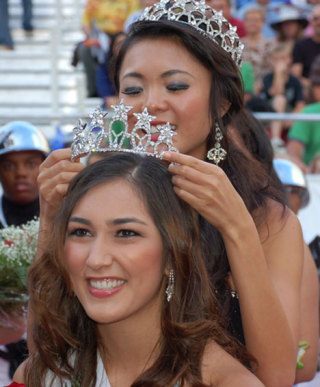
(115,136)
(206,20)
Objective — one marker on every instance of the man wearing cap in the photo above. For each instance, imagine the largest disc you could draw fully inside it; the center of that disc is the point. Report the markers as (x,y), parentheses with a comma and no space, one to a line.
(22,149)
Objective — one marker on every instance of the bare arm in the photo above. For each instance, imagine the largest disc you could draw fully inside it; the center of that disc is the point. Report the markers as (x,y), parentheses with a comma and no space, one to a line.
(219,369)
(269,301)
(309,330)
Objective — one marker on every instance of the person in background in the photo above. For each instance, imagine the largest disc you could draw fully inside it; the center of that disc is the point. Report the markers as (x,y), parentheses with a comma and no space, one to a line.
(225,7)
(256,47)
(267,7)
(6,40)
(289,23)
(307,49)
(104,82)
(102,20)
(304,139)
(282,90)
(248,80)
(22,149)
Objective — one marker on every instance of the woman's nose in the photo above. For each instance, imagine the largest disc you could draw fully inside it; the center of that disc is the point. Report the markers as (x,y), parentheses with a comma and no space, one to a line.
(100,255)
(155,102)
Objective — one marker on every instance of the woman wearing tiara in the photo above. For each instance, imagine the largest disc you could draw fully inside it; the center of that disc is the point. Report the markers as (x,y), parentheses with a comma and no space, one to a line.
(122,296)
(181,62)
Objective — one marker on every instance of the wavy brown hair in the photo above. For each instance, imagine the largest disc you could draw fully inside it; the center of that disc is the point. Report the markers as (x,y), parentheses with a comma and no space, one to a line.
(61,328)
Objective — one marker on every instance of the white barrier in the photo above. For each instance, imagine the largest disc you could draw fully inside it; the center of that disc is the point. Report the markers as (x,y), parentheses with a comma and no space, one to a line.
(310,215)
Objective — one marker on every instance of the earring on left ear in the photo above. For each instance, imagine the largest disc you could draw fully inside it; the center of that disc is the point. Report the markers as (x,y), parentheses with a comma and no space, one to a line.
(217,153)
(170,286)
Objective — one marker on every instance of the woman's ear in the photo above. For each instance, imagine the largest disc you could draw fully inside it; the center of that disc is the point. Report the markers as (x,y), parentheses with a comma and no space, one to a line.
(224,107)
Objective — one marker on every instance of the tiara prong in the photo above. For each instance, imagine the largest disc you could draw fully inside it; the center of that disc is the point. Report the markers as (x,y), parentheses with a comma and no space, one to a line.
(110,132)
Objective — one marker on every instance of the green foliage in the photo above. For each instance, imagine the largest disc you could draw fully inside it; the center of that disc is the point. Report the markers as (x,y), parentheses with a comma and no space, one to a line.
(17,250)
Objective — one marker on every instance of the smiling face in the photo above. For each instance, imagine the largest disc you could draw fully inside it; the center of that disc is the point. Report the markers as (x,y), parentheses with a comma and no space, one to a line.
(113,254)
(163,76)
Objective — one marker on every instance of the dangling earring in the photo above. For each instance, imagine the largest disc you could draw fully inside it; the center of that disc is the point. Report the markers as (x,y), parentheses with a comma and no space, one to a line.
(217,153)
(170,286)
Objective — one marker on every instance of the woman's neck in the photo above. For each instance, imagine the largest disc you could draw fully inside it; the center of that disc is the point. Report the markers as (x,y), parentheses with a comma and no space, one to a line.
(130,346)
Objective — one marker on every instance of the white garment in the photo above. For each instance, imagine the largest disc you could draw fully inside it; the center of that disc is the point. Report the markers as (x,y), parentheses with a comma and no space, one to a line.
(310,215)
(3,220)
(4,370)
(315,382)
(102,378)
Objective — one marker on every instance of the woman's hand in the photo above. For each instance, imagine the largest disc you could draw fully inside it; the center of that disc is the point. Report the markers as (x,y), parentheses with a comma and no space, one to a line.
(208,190)
(55,174)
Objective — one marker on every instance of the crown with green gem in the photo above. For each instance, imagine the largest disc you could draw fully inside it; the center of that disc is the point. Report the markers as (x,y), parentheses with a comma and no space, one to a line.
(206,20)
(109,132)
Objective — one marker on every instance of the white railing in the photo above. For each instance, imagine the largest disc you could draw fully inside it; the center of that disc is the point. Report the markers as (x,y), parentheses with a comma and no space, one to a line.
(287,116)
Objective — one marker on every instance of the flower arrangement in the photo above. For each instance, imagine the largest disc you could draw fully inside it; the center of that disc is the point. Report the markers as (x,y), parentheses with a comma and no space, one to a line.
(17,250)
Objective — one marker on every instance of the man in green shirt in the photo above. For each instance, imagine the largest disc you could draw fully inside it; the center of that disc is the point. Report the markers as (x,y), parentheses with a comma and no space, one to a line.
(304,138)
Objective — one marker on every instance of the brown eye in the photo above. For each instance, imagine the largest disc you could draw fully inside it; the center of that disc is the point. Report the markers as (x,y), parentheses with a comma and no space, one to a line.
(126,233)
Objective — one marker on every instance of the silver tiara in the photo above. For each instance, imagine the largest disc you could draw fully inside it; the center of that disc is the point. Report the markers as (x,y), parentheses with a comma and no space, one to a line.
(109,132)
(207,21)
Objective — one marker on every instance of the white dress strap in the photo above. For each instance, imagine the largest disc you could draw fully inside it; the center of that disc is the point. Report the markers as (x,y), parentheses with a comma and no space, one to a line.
(102,377)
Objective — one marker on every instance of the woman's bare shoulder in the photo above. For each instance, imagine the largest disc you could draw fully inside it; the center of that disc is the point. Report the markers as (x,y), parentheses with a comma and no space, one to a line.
(222,370)
(277,221)
(18,376)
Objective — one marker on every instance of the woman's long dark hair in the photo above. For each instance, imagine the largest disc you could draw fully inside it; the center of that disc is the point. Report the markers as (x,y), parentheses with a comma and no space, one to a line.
(247,174)
(66,339)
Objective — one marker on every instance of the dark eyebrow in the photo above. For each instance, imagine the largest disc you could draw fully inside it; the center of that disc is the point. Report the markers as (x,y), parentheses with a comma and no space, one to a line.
(77,219)
(166,74)
(173,72)
(133,74)
(114,222)
(119,221)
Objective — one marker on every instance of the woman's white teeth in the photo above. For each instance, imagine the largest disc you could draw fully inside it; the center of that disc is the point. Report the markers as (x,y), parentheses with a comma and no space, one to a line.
(106,284)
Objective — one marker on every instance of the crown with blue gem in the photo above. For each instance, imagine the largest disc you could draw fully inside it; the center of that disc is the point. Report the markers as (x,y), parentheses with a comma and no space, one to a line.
(109,132)
(206,20)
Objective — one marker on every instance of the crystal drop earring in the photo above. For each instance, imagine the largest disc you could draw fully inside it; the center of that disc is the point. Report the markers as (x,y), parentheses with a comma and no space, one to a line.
(217,153)
(170,286)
